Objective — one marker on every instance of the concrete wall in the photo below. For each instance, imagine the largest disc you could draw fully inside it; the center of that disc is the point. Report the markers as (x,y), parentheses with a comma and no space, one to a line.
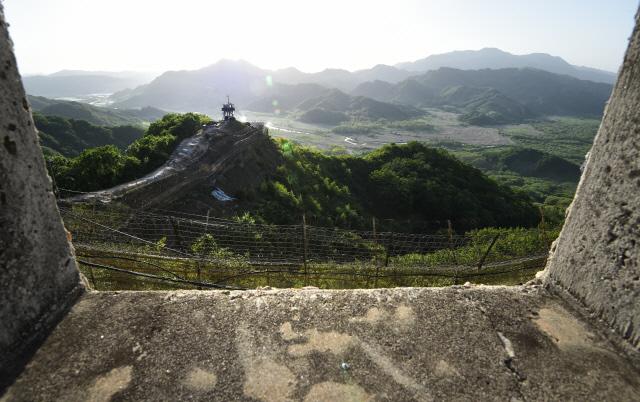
(597,256)
(38,273)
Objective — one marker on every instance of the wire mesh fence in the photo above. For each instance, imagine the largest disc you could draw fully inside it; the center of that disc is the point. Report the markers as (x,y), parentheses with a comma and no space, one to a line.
(201,251)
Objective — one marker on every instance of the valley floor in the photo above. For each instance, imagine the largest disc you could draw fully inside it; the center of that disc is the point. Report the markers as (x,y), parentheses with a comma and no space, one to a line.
(446,128)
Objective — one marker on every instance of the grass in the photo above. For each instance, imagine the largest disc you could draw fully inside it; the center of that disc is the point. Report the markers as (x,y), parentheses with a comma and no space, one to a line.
(325,276)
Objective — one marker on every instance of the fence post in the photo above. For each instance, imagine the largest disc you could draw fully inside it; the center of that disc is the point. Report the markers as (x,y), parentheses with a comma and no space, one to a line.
(373,224)
(486,253)
(92,229)
(176,234)
(206,225)
(305,244)
(386,257)
(375,241)
(451,248)
(543,228)
(198,263)
(93,279)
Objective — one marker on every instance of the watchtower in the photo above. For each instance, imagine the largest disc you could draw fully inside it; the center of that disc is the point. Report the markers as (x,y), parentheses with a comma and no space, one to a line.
(228,109)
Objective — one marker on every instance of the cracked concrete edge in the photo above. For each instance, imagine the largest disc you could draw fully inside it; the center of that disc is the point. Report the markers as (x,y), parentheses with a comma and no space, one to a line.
(39,276)
(594,263)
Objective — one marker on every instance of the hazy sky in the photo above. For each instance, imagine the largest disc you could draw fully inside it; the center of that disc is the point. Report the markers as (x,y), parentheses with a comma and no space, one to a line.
(159,35)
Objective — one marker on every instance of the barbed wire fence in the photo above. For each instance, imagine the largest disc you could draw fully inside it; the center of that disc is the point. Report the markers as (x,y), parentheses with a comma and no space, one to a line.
(164,249)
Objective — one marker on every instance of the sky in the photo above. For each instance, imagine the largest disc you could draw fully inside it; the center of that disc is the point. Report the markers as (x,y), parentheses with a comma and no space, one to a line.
(159,35)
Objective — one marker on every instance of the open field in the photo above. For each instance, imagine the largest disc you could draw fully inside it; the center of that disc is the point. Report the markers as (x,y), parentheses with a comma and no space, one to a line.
(444,127)
(567,137)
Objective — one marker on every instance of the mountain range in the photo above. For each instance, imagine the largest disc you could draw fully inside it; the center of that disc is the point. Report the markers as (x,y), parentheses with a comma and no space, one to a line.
(486,87)
(482,97)
(496,59)
(495,96)
(74,83)
(68,83)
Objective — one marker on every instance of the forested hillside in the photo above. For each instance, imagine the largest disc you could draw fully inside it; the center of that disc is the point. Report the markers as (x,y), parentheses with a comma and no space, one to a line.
(70,137)
(411,181)
(106,166)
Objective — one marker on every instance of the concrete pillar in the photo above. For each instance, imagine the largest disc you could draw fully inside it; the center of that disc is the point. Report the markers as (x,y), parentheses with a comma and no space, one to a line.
(38,274)
(596,259)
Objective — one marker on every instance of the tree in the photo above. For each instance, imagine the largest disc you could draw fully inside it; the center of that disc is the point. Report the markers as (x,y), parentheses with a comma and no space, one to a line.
(97,168)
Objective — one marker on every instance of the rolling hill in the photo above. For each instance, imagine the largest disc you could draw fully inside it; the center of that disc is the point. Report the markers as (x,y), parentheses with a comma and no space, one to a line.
(70,137)
(335,107)
(525,162)
(312,103)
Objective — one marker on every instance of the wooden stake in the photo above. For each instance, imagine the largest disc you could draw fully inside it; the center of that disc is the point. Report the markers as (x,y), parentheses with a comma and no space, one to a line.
(486,253)
(304,243)
(450,232)
(543,227)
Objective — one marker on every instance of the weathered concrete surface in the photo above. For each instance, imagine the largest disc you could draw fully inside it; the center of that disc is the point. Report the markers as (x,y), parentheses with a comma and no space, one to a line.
(476,343)
(38,274)
(597,256)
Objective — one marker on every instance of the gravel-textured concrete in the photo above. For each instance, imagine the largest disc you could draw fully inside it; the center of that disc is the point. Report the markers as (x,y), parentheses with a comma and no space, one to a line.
(38,273)
(475,343)
(597,256)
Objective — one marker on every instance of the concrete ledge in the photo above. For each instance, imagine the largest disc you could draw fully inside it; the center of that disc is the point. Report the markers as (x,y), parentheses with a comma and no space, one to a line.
(14,357)
(473,343)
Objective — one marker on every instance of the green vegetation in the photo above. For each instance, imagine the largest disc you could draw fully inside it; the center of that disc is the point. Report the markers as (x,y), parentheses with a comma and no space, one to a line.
(522,161)
(568,138)
(325,276)
(106,166)
(322,116)
(413,125)
(548,180)
(365,127)
(514,258)
(511,244)
(356,128)
(482,107)
(70,137)
(266,255)
(412,181)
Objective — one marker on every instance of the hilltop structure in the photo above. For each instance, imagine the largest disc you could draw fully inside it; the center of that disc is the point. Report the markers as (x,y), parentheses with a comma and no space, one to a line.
(227,110)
